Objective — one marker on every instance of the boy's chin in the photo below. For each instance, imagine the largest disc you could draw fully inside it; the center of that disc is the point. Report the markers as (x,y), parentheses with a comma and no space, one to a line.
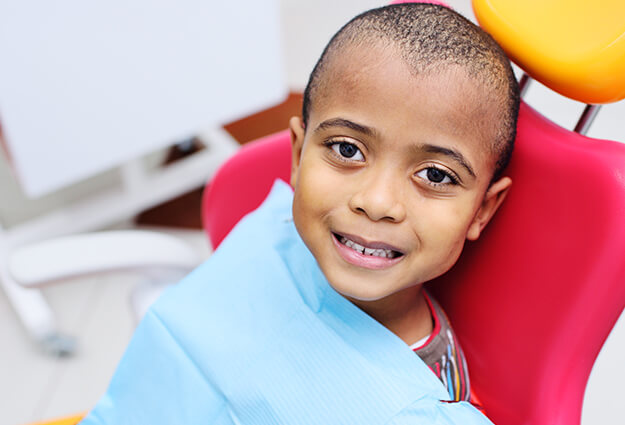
(376,295)
(360,296)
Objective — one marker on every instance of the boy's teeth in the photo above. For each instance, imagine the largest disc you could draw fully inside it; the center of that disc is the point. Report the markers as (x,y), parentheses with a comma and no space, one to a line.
(384,253)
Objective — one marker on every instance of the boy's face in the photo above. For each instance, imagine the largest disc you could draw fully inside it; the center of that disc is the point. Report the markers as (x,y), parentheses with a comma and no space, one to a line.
(396,164)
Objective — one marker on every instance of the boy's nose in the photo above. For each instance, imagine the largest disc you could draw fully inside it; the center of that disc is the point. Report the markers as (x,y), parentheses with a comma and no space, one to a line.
(379,198)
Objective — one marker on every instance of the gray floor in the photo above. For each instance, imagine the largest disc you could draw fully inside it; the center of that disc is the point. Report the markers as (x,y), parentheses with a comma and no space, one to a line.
(98,313)
(35,386)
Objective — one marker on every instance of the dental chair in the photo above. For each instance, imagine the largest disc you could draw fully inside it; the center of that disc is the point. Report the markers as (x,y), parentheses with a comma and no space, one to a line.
(533,300)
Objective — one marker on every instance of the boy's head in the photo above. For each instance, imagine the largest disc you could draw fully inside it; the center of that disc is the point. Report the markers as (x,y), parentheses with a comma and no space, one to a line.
(408,123)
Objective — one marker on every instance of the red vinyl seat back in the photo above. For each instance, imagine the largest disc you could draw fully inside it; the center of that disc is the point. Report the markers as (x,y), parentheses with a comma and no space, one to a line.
(536,296)
(242,183)
(533,300)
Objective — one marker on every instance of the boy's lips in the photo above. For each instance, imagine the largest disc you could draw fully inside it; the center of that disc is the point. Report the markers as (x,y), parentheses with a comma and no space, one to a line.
(362,253)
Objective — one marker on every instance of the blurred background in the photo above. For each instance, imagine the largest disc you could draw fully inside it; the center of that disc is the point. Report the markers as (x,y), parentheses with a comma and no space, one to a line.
(85,176)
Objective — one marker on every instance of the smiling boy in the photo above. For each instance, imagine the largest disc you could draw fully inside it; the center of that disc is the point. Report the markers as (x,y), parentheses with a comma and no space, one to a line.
(408,122)
(309,310)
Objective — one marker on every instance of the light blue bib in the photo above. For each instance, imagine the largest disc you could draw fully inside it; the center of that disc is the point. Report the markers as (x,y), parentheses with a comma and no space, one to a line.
(256,335)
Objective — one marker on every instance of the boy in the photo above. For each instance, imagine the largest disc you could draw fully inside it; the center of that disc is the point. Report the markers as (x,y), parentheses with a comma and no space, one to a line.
(307,311)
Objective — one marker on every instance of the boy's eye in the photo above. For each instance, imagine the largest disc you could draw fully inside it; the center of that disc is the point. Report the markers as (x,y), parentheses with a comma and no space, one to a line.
(348,150)
(436,175)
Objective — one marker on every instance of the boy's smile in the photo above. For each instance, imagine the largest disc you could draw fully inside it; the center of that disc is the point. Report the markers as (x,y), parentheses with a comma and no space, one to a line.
(368,254)
(392,174)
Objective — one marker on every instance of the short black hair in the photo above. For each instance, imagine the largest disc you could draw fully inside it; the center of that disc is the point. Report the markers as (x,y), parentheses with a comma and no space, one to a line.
(429,37)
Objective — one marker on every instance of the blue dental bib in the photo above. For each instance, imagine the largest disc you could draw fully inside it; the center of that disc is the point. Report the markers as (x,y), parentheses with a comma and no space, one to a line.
(256,335)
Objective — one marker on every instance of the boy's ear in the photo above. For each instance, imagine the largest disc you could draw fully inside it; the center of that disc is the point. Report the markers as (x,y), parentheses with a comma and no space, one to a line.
(492,200)
(297,143)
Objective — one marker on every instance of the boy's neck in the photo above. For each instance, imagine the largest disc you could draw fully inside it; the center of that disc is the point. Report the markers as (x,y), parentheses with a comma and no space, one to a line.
(405,313)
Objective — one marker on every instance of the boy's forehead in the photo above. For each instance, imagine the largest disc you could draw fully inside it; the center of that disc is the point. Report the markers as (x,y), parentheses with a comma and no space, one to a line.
(353,64)
(363,70)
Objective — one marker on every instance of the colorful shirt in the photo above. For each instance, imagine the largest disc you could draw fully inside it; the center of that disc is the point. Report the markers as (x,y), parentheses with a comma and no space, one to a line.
(443,355)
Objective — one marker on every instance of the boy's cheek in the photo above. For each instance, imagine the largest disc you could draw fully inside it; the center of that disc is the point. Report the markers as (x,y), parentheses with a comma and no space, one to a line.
(448,215)
(317,183)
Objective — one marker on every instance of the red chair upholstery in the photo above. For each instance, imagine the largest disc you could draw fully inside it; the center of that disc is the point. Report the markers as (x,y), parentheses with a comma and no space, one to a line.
(534,299)
(243,182)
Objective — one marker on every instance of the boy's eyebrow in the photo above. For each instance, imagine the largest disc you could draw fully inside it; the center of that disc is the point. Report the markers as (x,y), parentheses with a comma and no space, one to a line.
(342,122)
(454,154)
